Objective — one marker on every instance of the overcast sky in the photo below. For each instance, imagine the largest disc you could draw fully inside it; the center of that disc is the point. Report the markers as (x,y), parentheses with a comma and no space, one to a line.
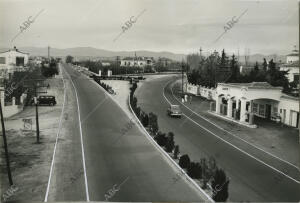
(179,26)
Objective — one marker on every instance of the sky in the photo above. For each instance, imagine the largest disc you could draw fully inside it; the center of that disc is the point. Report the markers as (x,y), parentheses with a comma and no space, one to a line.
(178,26)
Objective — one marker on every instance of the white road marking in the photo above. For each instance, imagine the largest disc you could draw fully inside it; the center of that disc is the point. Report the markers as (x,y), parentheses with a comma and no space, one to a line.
(56,141)
(232,144)
(81,139)
(235,135)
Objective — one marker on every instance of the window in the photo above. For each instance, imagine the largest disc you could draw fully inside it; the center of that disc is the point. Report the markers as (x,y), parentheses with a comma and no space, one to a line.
(255,108)
(2,60)
(275,110)
(262,110)
(296,78)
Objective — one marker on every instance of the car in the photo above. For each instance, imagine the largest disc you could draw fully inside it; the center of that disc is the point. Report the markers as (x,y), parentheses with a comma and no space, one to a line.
(45,100)
(174,110)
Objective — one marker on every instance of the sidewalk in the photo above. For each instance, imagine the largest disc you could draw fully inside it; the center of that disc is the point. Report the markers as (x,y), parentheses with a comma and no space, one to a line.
(281,141)
(30,162)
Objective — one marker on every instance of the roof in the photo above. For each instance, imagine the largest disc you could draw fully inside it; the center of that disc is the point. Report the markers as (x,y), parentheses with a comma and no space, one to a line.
(293,54)
(289,97)
(252,85)
(13,50)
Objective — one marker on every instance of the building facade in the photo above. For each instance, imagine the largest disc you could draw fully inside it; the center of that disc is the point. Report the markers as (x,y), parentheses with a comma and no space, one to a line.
(292,66)
(238,100)
(137,62)
(13,60)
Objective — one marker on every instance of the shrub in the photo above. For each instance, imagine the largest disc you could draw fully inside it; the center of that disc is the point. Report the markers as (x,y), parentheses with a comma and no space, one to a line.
(145,119)
(153,123)
(176,152)
(170,142)
(134,103)
(220,185)
(184,161)
(161,139)
(194,170)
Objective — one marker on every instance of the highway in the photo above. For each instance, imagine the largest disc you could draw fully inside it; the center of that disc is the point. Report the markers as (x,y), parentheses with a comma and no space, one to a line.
(254,175)
(109,152)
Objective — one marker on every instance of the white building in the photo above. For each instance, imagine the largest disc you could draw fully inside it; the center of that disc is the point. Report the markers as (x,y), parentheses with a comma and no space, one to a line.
(292,66)
(13,60)
(137,62)
(260,98)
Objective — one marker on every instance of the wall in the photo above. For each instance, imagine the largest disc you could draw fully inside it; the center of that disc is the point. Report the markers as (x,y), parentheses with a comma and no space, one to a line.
(13,109)
(208,93)
(288,104)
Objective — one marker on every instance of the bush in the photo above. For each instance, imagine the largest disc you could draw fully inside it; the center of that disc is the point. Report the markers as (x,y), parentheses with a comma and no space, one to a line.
(176,152)
(161,139)
(153,123)
(220,185)
(134,103)
(170,142)
(194,170)
(184,161)
(145,119)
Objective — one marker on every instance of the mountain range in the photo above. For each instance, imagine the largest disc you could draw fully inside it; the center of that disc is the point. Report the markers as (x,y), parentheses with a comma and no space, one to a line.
(94,53)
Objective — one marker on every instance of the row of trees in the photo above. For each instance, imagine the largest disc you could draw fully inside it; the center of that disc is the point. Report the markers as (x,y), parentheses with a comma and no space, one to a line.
(205,170)
(215,68)
(161,65)
(49,70)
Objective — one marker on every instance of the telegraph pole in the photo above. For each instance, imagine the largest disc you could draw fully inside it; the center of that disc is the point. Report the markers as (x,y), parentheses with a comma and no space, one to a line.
(299,58)
(5,147)
(182,77)
(37,117)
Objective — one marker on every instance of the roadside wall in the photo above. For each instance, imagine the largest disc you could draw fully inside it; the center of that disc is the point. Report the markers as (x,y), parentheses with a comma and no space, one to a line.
(198,90)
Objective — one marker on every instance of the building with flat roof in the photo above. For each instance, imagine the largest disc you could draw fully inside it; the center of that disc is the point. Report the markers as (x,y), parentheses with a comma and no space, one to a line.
(237,101)
(13,60)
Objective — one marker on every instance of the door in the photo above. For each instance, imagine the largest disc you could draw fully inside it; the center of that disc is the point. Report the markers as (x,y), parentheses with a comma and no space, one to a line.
(268,111)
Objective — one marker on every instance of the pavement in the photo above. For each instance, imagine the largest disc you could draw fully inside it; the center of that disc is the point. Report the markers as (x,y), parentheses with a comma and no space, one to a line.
(106,153)
(254,174)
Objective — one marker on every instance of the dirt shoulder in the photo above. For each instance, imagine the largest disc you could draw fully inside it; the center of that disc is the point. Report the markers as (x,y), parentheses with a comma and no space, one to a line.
(30,162)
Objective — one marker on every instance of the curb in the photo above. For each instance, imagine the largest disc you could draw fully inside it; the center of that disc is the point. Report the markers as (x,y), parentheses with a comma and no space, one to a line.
(203,194)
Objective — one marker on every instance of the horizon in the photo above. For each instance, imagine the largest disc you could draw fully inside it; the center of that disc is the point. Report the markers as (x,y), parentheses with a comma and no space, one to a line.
(180,27)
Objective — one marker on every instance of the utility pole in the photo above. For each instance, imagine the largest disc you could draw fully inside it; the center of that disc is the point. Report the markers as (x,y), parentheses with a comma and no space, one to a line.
(34,87)
(49,54)
(182,77)
(298,62)
(37,117)
(5,147)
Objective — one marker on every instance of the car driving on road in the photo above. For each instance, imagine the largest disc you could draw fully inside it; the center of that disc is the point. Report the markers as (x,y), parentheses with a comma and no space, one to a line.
(174,110)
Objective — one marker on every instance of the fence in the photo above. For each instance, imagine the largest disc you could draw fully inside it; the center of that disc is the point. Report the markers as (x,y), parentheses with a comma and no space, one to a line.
(198,90)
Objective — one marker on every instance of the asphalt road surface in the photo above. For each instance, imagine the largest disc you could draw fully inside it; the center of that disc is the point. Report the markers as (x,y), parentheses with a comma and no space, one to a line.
(117,156)
(255,176)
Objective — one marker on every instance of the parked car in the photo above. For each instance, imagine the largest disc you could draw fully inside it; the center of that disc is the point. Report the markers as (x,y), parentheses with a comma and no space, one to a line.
(174,110)
(45,100)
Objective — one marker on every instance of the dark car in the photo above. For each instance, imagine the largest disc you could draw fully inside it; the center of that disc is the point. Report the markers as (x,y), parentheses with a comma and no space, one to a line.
(174,110)
(45,100)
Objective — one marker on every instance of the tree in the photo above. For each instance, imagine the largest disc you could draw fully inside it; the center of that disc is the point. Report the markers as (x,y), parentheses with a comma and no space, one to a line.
(276,78)
(176,151)
(145,119)
(235,72)
(265,65)
(69,59)
(184,161)
(220,185)
(161,139)
(194,170)
(170,142)
(153,125)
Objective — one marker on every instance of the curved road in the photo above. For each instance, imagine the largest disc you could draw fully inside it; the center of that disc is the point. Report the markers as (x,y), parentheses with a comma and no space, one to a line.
(117,155)
(254,175)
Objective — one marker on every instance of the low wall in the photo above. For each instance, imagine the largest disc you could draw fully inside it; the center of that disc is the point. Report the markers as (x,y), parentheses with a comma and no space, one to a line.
(197,90)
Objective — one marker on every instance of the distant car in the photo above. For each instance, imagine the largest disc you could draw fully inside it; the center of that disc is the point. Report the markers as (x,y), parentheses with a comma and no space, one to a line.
(45,100)
(174,110)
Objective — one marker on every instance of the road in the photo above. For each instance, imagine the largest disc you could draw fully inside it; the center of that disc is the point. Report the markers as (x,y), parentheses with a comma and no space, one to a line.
(254,175)
(112,153)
